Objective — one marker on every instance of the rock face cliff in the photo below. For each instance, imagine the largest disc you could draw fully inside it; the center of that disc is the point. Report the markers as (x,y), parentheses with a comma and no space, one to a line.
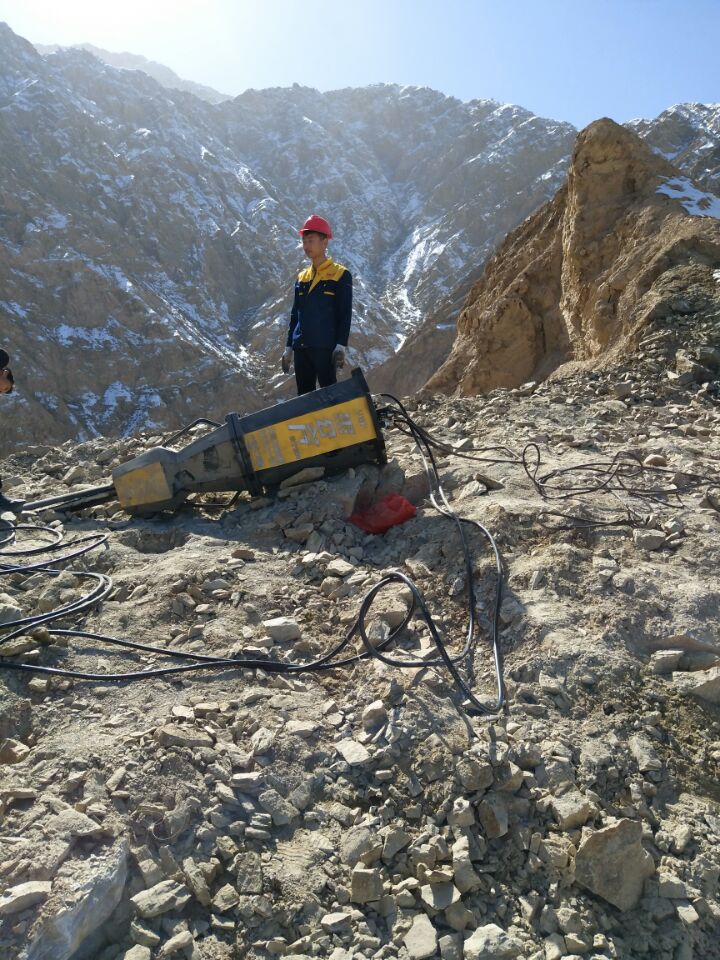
(622,241)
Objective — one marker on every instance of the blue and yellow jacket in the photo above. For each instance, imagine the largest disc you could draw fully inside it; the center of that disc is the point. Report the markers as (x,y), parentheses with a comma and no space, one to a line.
(322,307)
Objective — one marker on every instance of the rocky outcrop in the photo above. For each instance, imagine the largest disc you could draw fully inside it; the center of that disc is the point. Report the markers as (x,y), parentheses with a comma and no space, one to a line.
(620,243)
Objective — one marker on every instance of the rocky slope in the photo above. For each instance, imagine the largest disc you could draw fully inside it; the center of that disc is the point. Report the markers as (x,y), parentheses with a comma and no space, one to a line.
(149,239)
(628,238)
(362,812)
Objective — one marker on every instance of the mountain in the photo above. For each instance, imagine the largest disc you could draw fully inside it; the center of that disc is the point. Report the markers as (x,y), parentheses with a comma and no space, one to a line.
(149,239)
(132,61)
(687,135)
(626,239)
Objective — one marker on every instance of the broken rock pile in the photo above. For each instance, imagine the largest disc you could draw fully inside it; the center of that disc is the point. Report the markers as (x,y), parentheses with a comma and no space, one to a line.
(362,812)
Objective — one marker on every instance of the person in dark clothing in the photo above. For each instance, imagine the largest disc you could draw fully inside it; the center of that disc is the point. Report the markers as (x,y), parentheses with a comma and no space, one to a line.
(321,313)
(6,386)
(6,378)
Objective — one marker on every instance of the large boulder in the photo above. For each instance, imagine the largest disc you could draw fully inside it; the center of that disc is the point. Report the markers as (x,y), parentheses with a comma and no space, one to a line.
(613,864)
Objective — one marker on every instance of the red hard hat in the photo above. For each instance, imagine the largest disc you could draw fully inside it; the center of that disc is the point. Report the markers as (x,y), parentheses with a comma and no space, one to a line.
(317,225)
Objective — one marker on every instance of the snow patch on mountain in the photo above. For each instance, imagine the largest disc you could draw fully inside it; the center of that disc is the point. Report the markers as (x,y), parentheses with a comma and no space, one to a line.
(696,202)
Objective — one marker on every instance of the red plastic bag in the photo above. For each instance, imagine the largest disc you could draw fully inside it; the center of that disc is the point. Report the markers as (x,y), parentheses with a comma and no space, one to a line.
(388,512)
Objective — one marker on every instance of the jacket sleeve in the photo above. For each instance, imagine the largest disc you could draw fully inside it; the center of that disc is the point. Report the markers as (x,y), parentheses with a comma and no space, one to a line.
(343,309)
(293,318)
(4,358)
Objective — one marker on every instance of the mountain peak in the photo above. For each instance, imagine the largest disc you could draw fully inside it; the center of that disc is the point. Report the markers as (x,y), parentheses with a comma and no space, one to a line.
(587,270)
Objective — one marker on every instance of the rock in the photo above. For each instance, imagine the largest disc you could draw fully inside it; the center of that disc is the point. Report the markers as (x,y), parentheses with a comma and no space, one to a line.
(15,794)
(613,864)
(353,753)
(173,735)
(181,941)
(164,896)
(262,741)
(358,845)
(13,751)
(462,813)
(551,685)
(491,942)
(9,610)
(672,887)
(225,899)
(686,365)
(339,568)
(569,920)
(71,824)
(703,684)
(300,533)
(139,952)
(655,460)
(248,869)
(281,811)
(451,947)
(665,661)
(336,922)
(396,839)
(306,475)
(493,815)
(528,756)
(458,917)
(250,782)
(302,728)
(374,715)
(644,754)
(421,939)
(648,539)
(367,885)
(24,895)
(18,646)
(282,629)
(473,774)
(98,883)
(195,880)
(464,875)
(554,947)
(573,809)
(439,896)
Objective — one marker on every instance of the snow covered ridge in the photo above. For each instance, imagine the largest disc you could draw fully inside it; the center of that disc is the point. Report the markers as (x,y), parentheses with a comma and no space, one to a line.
(696,202)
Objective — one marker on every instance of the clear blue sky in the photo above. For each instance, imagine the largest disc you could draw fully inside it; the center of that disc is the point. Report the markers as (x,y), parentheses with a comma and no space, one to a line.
(572,60)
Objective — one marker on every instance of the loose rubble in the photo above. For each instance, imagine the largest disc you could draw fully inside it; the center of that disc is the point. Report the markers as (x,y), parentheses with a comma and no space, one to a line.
(361,812)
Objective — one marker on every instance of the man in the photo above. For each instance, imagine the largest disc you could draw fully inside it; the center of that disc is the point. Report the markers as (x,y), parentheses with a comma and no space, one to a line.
(321,312)
(6,378)
(6,385)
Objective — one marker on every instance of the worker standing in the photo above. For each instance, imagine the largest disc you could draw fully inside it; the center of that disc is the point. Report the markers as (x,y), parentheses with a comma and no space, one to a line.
(321,313)
(6,386)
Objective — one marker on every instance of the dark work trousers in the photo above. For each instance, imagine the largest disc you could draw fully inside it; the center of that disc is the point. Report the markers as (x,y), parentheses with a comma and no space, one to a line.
(313,365)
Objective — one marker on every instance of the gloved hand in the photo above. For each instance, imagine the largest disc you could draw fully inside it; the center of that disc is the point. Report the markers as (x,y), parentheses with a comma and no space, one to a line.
(286,359)
(338,356)
(6,380)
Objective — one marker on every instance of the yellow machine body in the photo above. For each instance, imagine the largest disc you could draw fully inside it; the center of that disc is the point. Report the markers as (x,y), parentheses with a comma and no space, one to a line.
(336,427)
